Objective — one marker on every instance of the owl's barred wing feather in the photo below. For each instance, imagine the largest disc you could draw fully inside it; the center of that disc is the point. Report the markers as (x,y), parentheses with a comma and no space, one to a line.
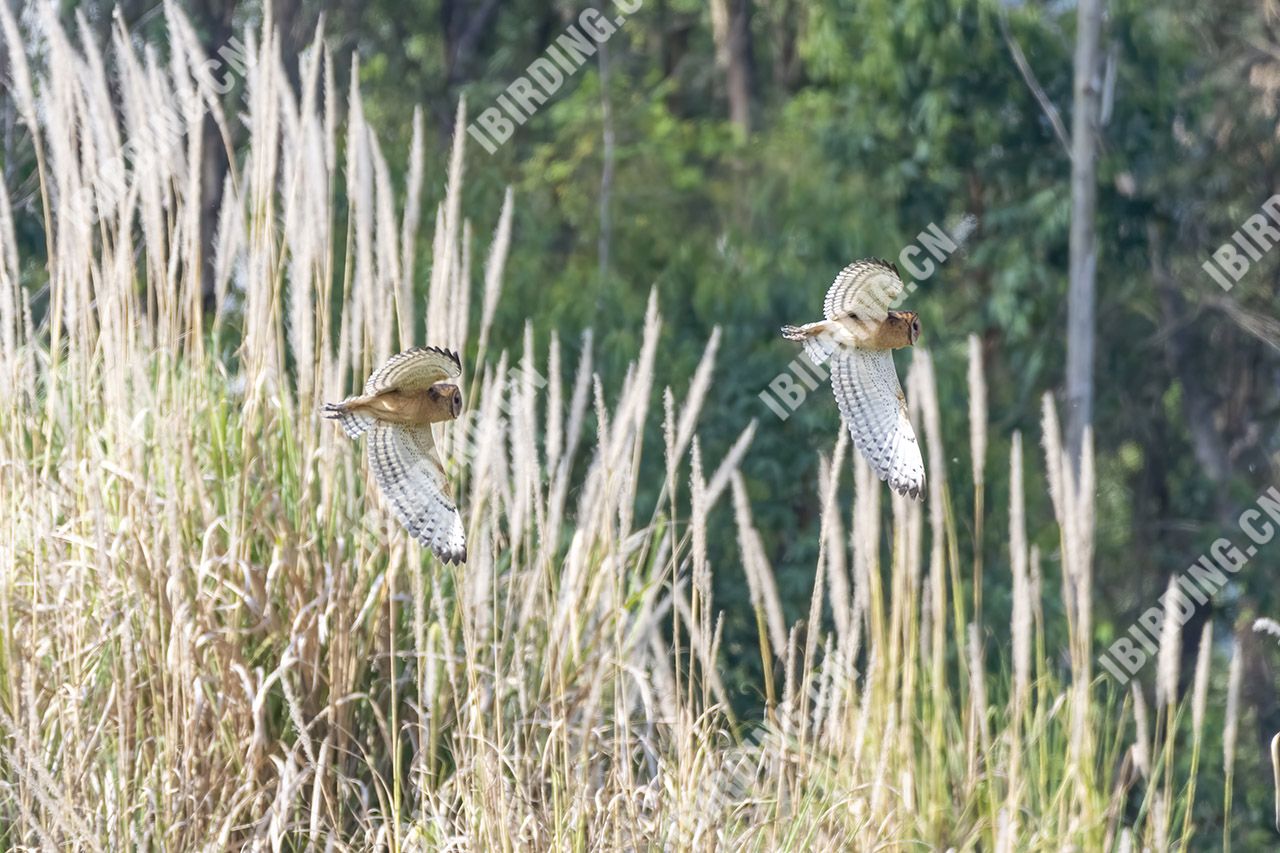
(354,424)
(874,409)
(866,289)
(414,370)
(408,471)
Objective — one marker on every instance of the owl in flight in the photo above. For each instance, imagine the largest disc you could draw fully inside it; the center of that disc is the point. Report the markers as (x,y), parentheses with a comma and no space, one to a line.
(858,338)
(401,400)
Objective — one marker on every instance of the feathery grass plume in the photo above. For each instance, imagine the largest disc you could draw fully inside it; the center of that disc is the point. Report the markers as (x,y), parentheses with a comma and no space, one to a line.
(1199,702)
(1036,592)
(1142,732)
(1077,557)
(698,508)
(386,255)
(865,536)
(1170,654)
(760,578)
(1230,726)
(359,177)
(978,686)
(578,402)
(19,70)
(1160,810)
(931,416)
(229,250)
(1052,436)
(1082,549)
(10,288)
(1275,770)
(25,756)
(305,205)
(494,268)
(457,163)
(1230,731)
(978,455)
(670,457)
(1200,688)
(409,232)
(1006,832)
(833,547)
(729,464)
(20,85)
(698,387)
(635,396)
(924,398)
(1022,607)
(553,444)
(827,488)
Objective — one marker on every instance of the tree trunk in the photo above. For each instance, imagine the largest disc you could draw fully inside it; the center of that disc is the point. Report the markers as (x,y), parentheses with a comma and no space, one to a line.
(463,23)
(213,21)
(1083,246)
(731,27)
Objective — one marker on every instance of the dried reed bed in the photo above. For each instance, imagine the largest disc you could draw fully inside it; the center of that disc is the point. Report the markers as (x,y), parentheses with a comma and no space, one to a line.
(215,637)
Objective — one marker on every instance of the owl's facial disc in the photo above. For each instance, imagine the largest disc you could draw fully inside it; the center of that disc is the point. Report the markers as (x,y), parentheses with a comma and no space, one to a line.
(448,393)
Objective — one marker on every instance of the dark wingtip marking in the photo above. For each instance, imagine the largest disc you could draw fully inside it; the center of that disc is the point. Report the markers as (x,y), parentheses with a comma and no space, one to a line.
(890,265)
(449,354)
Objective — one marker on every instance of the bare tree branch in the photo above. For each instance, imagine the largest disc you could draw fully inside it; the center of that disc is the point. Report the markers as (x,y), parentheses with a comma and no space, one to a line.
(1029,76)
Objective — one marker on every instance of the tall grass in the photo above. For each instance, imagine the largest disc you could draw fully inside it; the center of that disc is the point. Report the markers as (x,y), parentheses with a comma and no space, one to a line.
(214,635)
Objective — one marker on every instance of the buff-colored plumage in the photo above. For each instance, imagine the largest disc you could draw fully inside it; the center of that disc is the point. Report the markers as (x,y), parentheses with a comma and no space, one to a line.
(858,337)
(400,402)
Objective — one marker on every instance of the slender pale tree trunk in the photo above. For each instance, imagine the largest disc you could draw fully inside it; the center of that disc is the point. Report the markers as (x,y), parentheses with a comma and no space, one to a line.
(1081,298)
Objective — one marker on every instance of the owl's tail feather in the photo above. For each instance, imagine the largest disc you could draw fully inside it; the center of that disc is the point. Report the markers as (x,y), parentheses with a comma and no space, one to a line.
(353,423)
(818,344)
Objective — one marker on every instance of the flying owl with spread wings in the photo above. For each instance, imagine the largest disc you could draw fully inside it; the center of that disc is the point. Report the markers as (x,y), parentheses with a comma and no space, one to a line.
(401,400)
(858,338)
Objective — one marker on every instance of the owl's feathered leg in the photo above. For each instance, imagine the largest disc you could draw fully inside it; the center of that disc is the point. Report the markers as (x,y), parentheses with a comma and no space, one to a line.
(353,423)
(818,339)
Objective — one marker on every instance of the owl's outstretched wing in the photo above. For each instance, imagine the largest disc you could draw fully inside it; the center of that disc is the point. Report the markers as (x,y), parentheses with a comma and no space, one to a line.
(408,471)
(865,289)
(414,370)
(875,410)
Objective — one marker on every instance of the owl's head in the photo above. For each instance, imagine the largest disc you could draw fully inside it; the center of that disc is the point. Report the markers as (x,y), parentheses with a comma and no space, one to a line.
(908,322)
(449,394)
